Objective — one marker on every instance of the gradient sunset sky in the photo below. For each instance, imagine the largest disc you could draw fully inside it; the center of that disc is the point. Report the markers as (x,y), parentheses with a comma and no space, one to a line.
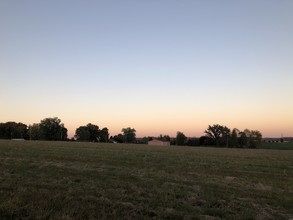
(159,66)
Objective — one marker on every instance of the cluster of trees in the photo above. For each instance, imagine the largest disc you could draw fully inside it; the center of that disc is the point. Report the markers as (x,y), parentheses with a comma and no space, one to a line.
(91,132)
(50,129)
(221,136)
(53,130)
(216,135)
(128,135)
(10,130)
(47,129)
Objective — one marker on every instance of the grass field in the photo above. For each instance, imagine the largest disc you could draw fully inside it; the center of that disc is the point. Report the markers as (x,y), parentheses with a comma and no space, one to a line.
(279,146)
(69,180)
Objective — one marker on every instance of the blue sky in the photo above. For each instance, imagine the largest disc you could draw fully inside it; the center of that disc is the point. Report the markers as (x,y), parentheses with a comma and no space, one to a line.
(158,66)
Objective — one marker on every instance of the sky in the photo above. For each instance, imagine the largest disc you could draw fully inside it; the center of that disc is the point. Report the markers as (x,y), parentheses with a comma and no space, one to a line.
(159,66)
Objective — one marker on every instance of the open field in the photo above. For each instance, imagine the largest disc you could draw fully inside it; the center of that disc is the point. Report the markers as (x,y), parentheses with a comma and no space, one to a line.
(280,146)
(68,180)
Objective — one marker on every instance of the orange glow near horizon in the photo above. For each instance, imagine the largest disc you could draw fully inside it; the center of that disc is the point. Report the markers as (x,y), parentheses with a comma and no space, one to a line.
(148,121)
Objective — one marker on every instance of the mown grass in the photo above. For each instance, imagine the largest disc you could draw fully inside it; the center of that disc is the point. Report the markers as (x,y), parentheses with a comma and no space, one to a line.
(68,180)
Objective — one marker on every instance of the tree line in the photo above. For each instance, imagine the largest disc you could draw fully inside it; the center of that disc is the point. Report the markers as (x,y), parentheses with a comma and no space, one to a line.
(222,136)
(48,129)
(215,135)
(52,129)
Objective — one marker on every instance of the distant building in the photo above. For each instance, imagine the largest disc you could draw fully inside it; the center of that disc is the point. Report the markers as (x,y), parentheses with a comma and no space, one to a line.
(159,143)
(278,140)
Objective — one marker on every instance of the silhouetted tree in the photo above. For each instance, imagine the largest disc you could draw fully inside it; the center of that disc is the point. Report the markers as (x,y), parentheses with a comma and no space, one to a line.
(34,131)
(11,130)
(90,132)
(254,139)
(129,135)
(104,135)
(94,132)
(118,138)
(52,129)
(219,134)
(233,141)
(82,133)
(145,140)
(242,139)
(249,138)
(180,139)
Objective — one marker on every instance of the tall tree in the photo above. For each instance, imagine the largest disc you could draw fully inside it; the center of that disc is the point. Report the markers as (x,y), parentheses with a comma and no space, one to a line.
(242,139)
(90,132)
(52,129)
(233,142)
(82,133)
(104,135)
(255,139)
(94,132)
(180,139)
(129,135)
(250,138)
(218,134)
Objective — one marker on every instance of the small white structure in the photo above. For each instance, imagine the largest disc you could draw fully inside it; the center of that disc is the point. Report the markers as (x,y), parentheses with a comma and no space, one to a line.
(159,143)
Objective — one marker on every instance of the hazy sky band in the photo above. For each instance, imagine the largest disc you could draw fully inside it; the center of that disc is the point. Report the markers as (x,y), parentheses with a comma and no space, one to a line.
(157,66)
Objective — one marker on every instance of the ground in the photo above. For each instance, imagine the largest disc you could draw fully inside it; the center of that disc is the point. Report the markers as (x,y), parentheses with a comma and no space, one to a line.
(70,180)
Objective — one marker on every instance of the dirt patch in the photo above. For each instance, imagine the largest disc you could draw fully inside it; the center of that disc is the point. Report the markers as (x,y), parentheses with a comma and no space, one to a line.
(263,187)
(229,178)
